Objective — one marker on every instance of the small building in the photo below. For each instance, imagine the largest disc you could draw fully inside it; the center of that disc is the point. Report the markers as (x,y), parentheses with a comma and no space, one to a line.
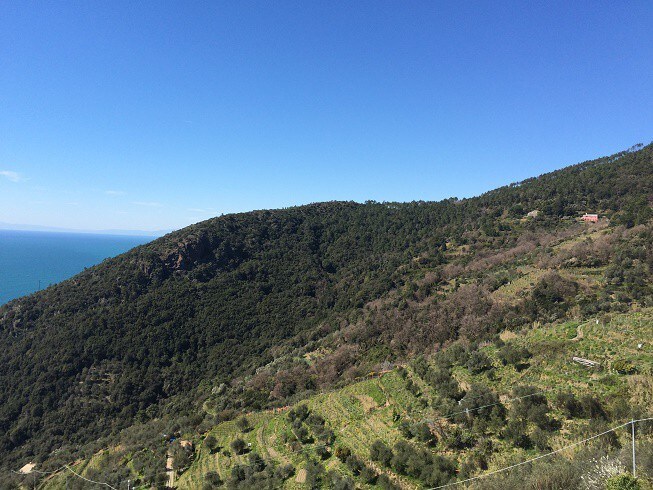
(533,214)
(590,218)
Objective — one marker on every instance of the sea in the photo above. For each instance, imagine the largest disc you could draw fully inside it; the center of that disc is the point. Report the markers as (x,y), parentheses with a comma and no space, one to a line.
(33,260)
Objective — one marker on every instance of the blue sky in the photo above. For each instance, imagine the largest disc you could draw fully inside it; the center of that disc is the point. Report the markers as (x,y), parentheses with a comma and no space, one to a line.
(151,115)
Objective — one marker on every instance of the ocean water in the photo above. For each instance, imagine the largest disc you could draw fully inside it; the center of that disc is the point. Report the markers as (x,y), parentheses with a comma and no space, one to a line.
(30,260)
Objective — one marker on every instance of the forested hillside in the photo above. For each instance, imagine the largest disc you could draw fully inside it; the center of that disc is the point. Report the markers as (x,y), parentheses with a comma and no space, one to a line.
(257,310)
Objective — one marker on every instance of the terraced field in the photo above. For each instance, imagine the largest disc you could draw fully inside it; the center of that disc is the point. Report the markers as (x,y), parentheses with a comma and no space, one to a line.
(370,409)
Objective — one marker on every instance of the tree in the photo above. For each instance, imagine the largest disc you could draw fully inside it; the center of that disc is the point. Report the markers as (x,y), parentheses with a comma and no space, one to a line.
(239,446)
(181,457)
(478,362)
(212,478)
(243,424)
(284,472)
(211,443)
(256,462)
(381,453)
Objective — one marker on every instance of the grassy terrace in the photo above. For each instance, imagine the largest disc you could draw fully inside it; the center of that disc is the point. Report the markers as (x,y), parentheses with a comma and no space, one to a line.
(372,408)
(367,410)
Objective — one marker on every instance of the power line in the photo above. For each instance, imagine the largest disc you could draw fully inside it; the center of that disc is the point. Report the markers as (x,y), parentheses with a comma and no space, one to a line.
(453,414)
(541,456)
(89,480)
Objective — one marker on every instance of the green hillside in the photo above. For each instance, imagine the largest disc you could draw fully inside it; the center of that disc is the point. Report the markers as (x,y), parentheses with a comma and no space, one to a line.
(391,406)
(256,312)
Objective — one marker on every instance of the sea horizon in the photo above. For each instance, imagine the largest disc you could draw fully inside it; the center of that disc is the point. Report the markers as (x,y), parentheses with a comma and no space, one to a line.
(31,260)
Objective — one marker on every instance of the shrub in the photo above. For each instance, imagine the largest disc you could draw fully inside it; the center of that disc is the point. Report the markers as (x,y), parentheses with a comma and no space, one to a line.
(322,452)
(569,404)
(404,428)
(592,408)
(213,478)
(401,453)
(478,362)
(256,462)
(385,483)
(423,433)
(480,403)
(624,481)
(458,439)
(515,432)
(551,295)
(381,453)
(238,446)
(211,443)
(243,424)
(540,439)
(285,471)
(355,464)
(514,355)
(342,453)
(368,475)
(340,482)
(444,383)
(315,473)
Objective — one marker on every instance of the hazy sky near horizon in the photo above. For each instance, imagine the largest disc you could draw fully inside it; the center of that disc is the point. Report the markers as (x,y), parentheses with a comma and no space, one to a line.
(155,115)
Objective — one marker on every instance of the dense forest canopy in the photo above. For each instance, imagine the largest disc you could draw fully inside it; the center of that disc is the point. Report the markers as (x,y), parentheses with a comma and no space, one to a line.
(164,327)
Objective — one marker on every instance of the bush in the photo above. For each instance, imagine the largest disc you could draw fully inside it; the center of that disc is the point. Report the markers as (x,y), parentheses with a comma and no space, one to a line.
(515,432)
(551,296)
(256,462)
(238,446)
(340,482)
(569,404)
(423,433)
(624,481)
(478,362)
(355,464)
(514,355)
(213,478)
(368,475)
(299,413)
(315,473)
(540,439)
(284,472)
(243,424)
(592,408)
(322,452)
(211,443)
(342,453)
(445,384)
(381,453)
(385,483)
(405,429)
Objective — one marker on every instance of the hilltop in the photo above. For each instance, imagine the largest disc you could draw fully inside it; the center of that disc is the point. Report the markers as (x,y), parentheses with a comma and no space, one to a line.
(255,311)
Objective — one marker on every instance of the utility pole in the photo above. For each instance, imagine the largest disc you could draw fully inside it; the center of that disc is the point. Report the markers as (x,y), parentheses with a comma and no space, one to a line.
(632,425)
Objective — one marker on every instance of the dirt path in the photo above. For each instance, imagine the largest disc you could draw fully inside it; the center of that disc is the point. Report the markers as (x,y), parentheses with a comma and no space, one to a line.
(170,471)
(301,476)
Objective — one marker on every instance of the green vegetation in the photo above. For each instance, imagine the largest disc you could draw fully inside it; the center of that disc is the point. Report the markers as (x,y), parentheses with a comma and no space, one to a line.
(406,328)
(352,434)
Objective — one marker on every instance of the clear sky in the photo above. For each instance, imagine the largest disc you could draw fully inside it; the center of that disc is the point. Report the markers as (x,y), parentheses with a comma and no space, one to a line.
(150,115)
